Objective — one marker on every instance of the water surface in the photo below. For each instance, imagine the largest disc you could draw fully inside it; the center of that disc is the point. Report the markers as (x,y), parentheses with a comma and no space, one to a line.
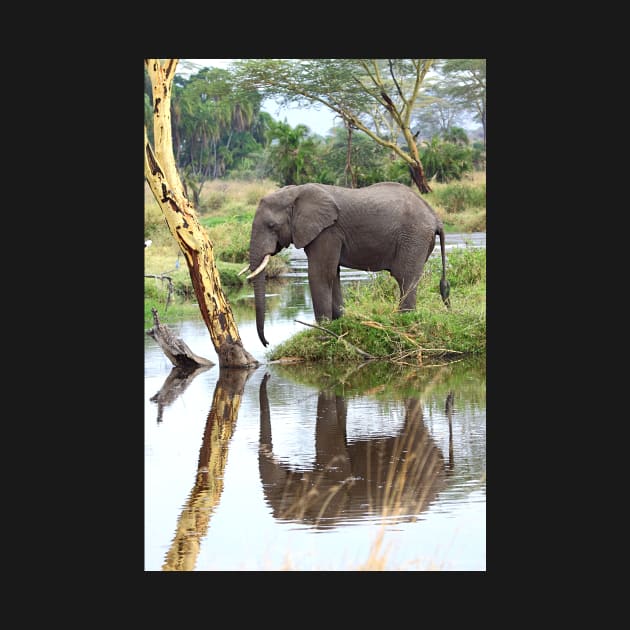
(330,467)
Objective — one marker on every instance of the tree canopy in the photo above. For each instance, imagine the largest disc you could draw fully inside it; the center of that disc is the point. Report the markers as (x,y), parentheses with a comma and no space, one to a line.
(376,96)
(220,128)
(465,83)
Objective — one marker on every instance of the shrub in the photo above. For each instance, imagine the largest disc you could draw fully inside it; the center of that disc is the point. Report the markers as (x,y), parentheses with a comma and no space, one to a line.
(465,266)
(213,200)
(397,171)
(230,277)
(457,197)
(445,161)
(231,240)
(255,192)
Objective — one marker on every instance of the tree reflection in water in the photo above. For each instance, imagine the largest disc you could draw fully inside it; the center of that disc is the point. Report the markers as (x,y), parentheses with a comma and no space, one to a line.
(206,492)
(394,477)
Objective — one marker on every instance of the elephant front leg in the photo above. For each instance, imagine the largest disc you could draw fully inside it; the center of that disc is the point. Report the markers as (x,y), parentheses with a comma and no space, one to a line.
(321,294)
(337,297)
(323,276)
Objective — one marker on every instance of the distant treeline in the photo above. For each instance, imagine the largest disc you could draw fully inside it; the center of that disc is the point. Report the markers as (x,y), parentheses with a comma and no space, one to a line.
(220,131)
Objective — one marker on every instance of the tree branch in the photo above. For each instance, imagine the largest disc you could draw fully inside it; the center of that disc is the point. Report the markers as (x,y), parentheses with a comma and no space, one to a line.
(367,355)
(391,72)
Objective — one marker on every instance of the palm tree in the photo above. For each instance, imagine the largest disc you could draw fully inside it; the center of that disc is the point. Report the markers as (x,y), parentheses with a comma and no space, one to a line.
(285,151)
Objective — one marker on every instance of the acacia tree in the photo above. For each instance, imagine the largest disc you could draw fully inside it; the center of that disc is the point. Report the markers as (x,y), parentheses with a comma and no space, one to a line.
(466,83)
(376,96)
(161,174)
(435,113)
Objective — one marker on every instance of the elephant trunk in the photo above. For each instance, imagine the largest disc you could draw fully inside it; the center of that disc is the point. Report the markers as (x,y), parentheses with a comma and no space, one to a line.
(259,296)
(261,249)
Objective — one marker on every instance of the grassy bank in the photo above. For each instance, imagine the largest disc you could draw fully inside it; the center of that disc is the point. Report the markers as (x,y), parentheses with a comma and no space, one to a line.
(372,326)
(461,205)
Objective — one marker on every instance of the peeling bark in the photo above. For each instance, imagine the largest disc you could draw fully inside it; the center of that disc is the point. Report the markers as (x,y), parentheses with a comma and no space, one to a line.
(416,170)
(181,218)
(418,176)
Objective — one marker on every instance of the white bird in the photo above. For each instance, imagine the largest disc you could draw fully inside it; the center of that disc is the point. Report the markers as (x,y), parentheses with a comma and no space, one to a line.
(148,242)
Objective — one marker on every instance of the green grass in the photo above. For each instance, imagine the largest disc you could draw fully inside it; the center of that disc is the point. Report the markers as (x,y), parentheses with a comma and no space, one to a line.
(431,333)
(182,303)
(461,205)
(227,211)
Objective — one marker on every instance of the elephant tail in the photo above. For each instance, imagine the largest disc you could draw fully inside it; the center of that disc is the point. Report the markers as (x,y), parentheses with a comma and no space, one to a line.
(445,287)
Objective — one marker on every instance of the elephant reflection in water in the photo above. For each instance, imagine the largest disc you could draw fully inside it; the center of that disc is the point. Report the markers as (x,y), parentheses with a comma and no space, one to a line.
(392,477)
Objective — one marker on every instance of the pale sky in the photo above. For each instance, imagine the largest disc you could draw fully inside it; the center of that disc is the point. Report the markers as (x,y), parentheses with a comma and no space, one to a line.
(318,121)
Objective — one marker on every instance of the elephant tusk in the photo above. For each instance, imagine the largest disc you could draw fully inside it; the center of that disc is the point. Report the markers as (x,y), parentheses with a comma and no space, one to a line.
(242,271)
(260,267)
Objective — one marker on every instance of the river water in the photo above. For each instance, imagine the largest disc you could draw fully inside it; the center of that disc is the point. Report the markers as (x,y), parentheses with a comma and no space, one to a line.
(328,467)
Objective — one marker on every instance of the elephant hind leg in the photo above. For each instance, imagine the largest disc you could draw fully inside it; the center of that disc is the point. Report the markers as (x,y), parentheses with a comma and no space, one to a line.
(407,295)
(408,285)
(407,269)
(323,275)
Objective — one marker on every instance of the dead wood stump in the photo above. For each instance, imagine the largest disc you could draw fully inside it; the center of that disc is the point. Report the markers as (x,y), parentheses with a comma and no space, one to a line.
(178,353)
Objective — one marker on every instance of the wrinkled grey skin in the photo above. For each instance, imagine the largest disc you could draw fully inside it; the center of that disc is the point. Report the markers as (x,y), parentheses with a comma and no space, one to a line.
(383,226)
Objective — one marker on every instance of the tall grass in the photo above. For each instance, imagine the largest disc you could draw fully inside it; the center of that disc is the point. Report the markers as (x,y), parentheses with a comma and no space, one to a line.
(372,323)
(461,205)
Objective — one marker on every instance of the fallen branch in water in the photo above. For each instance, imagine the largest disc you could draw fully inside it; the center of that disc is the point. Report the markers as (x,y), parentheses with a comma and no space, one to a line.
(367,355)
(442,350)
(178,353)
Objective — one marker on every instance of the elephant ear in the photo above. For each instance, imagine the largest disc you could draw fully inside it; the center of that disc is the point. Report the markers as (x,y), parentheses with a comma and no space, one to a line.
(315,209)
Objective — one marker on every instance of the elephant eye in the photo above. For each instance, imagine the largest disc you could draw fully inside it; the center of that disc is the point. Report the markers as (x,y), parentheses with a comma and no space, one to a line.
(271,225)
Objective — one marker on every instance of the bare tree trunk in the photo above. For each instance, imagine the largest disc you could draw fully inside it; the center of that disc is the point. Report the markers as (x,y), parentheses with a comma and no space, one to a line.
(161,173)
(348,168)
(419,178)
(416,170)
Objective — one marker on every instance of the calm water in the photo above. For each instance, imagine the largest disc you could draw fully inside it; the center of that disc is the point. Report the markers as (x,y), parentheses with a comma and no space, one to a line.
(311,468)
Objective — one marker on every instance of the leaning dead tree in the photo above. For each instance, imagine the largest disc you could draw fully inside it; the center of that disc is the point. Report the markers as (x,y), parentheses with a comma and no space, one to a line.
(161,174)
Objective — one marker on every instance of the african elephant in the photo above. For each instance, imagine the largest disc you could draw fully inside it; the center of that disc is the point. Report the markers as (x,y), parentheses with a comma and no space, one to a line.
(397,476)
(383,226)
